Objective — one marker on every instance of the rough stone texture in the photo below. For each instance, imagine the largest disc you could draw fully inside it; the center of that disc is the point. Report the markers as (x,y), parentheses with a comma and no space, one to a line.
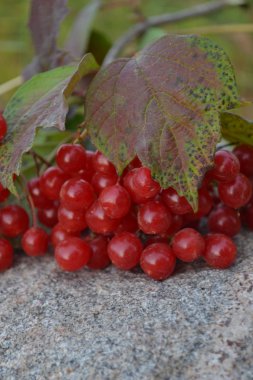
(116,325)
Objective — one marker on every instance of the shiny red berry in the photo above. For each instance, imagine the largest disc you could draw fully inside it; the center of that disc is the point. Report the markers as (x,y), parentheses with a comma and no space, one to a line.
(14,220)
(226,166)
(116,201)
(101,181)
(77,194)
(158,261)
(125,250)
(6,254)
(71,158)
(143,183)
(236,193)
(99,255)
(154,217)
(188,245)
(35,242)
(244,153)
(72,220)
(3,127)
(72,254)
(4,193)
(49,216)
(59,234)
(51,182)
(220,251)
(98,221)
(103,165)
(225,220)
(39,199)
(177,204)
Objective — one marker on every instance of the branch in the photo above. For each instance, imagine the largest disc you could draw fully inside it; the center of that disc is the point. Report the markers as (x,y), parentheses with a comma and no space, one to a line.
(138,29)
(10,85)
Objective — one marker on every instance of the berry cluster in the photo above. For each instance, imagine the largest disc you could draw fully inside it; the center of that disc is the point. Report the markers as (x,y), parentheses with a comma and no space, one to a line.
(92,217)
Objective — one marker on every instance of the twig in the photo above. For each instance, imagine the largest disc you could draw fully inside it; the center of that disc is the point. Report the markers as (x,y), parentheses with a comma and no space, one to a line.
(10,85)
(138,29)
(217,29)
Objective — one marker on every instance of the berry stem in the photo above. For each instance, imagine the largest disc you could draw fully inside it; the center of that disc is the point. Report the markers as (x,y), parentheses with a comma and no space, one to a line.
(81,136)
(22,181)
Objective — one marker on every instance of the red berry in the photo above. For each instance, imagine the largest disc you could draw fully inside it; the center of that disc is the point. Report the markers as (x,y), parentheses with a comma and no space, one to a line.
(158,261)
(205,203)
(3,127)
(103,165)
(77,194)
(39,199)
(4,193)
(236,193)
(72,220)
(154,217)
(49,216)
(177,204)
(128,184)
(125,250)
(59,234)
(14,220)
(35,241)
(51,182)
(156,239)
(98,221)
(224,220)
(72,254)
(244,153)
(220,251)
(226,166)
(188,245)
(101,181)
(6,254)
(115,200)
(143,183)
(99,255)
(71,158)
(128,223)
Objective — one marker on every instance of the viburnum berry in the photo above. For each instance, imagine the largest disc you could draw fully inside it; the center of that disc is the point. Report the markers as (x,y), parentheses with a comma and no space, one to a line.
(98,221)
(154,217)
(143,183)
(77,194)
(35,242)
(71,158)
(220,251)
(103,165)
(188,245)
(72,254)
(177,204)
(51,182)
(39,199)
(72,220)
(125,250)
(247,215)
(101,181)
(244,153)
(158,261)
(156,239)
(205,203)
(225,220)
(49,216)
(226,166)
(128,184)
(177,223)
(6,254)
(14,220)
(236,193)
(3,127)
(99,256)
(116,201)
(59,234)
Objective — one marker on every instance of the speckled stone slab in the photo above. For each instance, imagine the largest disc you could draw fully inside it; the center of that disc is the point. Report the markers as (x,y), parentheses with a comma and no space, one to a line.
(118,325)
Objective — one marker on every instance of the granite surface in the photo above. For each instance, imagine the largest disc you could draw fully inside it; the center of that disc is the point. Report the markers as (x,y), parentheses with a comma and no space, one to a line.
(116,325)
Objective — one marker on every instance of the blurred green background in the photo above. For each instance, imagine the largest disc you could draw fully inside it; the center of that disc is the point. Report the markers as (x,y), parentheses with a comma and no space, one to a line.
(117,16)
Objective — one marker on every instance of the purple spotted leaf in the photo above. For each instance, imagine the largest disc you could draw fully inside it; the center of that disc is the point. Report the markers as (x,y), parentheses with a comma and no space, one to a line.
(163,105)
(44,23)
(39,102)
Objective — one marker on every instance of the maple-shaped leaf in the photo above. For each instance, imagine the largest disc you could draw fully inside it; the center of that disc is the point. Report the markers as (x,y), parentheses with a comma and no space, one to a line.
(163,105)
(39,102)
(236,129)
(44,23)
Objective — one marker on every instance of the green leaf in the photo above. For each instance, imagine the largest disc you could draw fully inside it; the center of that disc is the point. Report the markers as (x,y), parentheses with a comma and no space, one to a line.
(236,129)
(99,45)
(40,102)
(163,105)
